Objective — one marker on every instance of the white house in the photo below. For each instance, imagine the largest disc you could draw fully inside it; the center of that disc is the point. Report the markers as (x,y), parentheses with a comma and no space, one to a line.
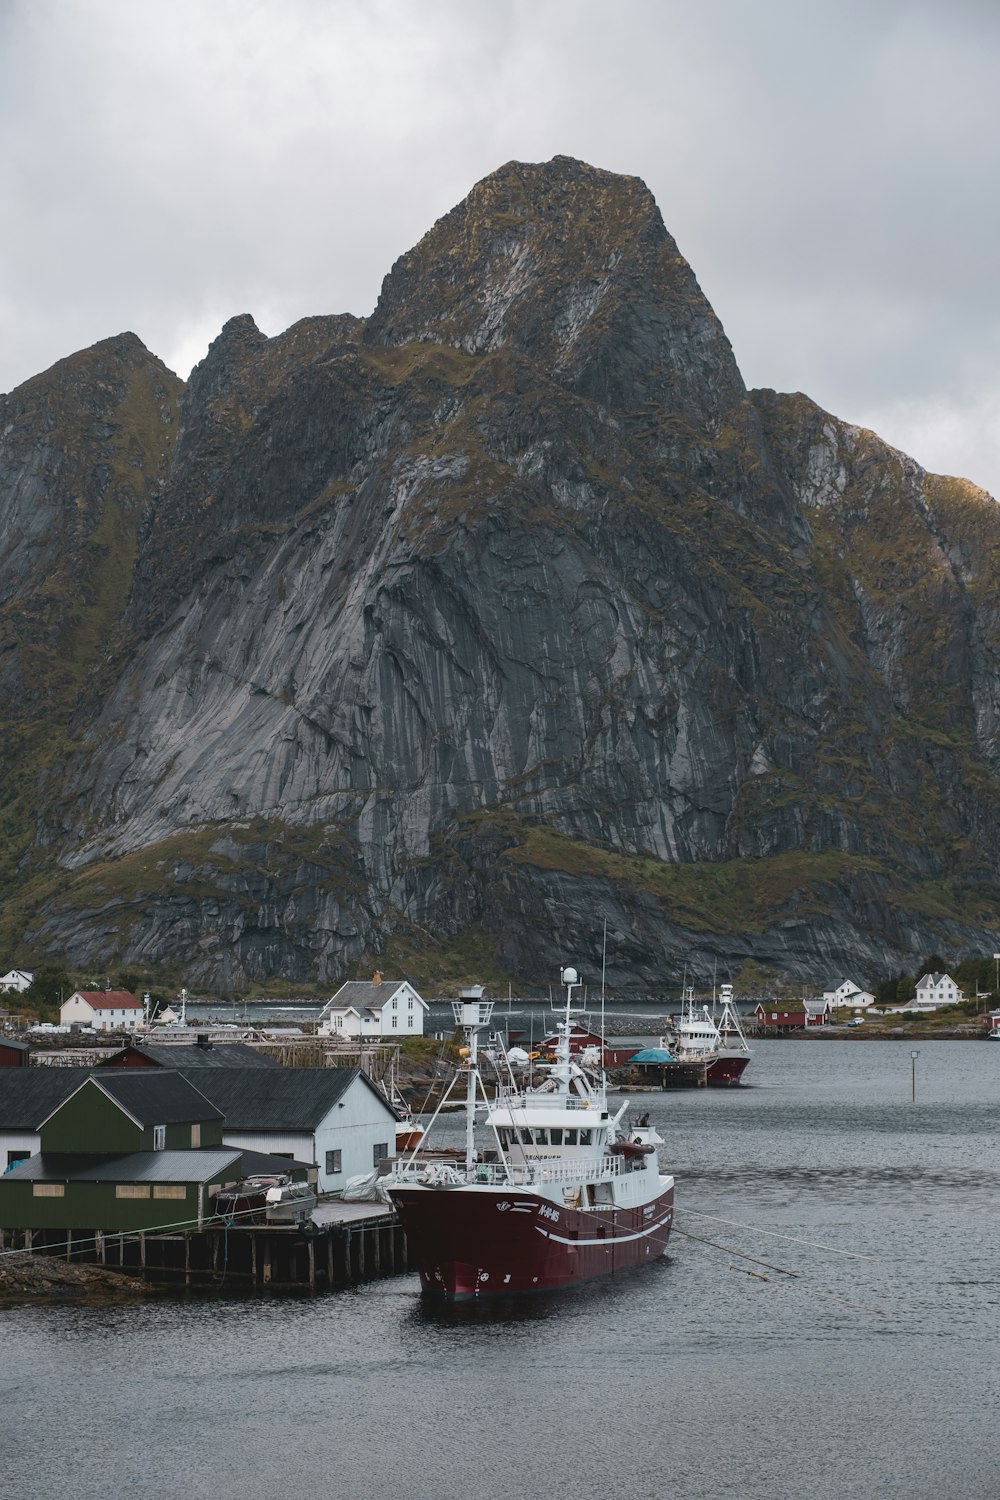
(849,995)
(373,1007)
(16,980)
(104,1010)
(333,1117)
(934,990)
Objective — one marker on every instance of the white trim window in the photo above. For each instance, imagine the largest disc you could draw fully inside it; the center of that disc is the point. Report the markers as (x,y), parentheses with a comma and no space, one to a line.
(159,1137)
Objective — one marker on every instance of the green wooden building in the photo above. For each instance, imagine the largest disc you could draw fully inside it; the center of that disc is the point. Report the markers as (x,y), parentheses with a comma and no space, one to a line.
(126,1151)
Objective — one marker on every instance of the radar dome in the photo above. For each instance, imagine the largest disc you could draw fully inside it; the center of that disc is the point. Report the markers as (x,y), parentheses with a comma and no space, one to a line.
(570,976)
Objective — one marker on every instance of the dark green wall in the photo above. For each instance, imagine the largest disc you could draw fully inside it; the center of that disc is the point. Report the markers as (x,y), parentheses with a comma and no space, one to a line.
(91,1123)
(95,1205)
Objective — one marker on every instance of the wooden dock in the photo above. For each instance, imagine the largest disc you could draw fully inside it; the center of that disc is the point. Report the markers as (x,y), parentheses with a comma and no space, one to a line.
(350,1243)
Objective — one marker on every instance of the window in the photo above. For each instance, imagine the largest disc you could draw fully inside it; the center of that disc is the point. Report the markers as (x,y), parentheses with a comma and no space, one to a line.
(132,1190)
(409,1004)
(380,1152)
(395,1003)
(333,1163)
(159,1137)
(584,1137)
(557,1136)
(395,1020)
(170,1190)
(13,1157)
(195,1137)
(48,1190)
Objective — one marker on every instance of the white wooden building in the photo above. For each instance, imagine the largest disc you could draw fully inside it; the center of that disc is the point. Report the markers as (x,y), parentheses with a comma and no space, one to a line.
(333,1117)
(373,1007)
(16,981)
(849,995)
(934,990)
(104,1010)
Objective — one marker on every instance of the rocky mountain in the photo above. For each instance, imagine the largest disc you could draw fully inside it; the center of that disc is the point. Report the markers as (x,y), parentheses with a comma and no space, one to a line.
(449,635)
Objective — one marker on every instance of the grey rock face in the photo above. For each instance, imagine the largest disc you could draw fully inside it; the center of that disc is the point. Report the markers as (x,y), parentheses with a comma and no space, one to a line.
(511,610)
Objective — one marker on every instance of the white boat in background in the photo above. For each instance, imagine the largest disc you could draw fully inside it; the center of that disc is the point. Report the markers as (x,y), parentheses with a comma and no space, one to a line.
(721,1045)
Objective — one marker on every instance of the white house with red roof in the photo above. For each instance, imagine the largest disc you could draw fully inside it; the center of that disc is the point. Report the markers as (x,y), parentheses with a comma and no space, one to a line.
(104,1010)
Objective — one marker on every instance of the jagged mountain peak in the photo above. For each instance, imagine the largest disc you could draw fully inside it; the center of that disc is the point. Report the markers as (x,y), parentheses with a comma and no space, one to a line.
(504,612)
(573,266)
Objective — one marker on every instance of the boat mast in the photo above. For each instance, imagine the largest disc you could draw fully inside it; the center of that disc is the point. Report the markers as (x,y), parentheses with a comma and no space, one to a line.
(472,1013)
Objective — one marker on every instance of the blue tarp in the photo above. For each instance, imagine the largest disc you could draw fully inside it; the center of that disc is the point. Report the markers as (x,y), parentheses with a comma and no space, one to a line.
(653,1055)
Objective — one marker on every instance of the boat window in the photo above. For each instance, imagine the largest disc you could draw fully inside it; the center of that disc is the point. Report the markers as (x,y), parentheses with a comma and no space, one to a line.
(541,1137)
(585,1137)
(569,1138)
(557,1136)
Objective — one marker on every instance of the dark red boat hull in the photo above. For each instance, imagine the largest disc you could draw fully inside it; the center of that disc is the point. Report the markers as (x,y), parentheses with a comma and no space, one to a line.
(467,1243)
(724,1072)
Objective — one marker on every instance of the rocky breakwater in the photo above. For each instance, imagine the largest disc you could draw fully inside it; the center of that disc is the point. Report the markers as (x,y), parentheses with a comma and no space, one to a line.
(510,609)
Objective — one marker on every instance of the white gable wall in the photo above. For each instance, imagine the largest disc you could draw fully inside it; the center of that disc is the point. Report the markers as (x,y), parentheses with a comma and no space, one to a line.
(358,1123)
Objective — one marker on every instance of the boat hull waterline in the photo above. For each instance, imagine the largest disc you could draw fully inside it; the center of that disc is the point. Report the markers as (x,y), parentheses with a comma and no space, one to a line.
(506,1242)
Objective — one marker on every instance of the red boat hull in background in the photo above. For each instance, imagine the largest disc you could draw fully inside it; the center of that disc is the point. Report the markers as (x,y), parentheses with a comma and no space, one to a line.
(723,1072)
(472,1244)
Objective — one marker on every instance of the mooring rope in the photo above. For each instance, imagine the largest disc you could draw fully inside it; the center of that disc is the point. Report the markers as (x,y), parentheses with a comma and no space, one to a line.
(775,1234)
(810,1291)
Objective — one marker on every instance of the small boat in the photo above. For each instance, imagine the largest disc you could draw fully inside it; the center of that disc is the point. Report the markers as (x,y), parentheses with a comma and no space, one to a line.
(248,1197)
(275,1198)
(565,1191)
(289,1203)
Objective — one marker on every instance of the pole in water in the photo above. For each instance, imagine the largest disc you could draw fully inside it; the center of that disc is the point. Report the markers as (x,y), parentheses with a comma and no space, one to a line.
(913,1079)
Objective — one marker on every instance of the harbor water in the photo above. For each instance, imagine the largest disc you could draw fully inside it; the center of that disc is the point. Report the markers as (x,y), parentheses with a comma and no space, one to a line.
(824,1327)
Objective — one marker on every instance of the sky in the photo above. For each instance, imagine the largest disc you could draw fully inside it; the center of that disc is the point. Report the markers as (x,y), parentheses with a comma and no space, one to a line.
(830,169)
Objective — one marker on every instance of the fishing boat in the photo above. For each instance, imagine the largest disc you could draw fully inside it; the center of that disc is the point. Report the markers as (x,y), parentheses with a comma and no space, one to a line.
(733,1052)
(562,1193)
(721,1045)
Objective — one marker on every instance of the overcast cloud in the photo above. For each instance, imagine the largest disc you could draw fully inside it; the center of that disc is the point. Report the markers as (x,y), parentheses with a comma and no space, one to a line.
(829,169)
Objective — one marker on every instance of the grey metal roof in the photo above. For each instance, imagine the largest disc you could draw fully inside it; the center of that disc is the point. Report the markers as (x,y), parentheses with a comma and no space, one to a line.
(192,1055)
(156,1098)
(281,1098)
(257,1163)
(29,1095)
(135,1166)
(367,996)
(8,1041)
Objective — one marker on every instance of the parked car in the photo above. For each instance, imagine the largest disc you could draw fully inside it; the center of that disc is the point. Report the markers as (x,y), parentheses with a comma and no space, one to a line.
(856,1021)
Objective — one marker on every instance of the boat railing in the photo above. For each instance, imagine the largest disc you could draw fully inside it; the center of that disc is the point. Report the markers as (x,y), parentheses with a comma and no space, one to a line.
(516,1099)
(519,1174)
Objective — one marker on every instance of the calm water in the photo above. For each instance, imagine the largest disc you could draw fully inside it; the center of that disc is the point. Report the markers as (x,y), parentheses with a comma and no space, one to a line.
(852,1378)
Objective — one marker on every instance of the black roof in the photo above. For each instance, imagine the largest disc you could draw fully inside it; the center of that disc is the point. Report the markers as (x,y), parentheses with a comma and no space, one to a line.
(29,1095)
(281,1098)
(134,1166)
(155,1098)
(195,1055)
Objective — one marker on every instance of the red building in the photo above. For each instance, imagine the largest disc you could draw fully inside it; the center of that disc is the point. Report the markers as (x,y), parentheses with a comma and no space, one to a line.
(773,1018)
(14,1054)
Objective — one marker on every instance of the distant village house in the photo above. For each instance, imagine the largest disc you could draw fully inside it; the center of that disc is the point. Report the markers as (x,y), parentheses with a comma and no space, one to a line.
(373,1007)
(934,990)
(16,981)
(104,1010)
(849,995)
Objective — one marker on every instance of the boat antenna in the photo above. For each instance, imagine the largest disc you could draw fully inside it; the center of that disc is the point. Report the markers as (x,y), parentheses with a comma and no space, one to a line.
(604,967)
